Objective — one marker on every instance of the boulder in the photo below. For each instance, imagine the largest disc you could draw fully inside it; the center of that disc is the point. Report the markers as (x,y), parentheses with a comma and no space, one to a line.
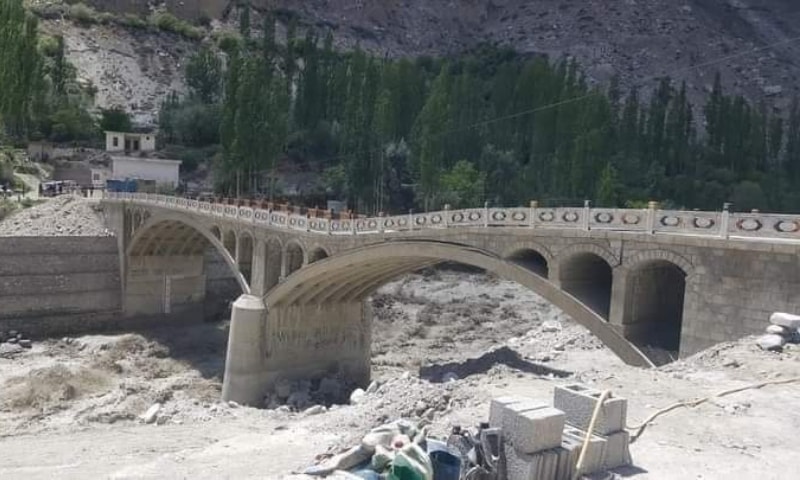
(357,396)
(315,410)
(151,414)
(771,342)
(787,320)
(779,330)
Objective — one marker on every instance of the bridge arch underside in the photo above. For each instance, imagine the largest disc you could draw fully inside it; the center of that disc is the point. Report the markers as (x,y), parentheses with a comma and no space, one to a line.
(166,269)
(654,308)
(318,320)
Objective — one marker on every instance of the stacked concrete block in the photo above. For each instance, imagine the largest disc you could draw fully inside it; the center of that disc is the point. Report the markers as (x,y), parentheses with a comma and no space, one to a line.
(578,403)
(594,459)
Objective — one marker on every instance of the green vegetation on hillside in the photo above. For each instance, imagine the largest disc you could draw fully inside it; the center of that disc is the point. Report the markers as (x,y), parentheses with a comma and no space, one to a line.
(487,126)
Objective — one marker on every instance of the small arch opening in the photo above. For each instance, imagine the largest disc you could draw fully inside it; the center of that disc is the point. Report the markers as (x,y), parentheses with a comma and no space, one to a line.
(272,263)
(317,254)
(532,260)
(588,277)
(653,316)
(245,257)
(294,258)
(216,233)
(229,242)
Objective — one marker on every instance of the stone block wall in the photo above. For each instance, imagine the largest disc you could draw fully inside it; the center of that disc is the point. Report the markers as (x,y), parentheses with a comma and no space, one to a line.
(54,285)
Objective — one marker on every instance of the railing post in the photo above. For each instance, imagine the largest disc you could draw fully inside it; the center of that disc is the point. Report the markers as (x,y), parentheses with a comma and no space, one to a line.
(651,216)
(532,213)
(353,223)
(411,219)
(486,214)
(725,220)
(587,211)
(446,215)
(380,222)
(308,223)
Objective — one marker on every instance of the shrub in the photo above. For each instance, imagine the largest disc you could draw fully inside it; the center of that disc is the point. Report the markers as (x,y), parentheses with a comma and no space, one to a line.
(169,23)
(132,21)
(83,14)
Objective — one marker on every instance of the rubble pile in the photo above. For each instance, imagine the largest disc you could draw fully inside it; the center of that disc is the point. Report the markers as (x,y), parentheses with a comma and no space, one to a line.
(12,343)
(62,216)
(524,439)
(784,328)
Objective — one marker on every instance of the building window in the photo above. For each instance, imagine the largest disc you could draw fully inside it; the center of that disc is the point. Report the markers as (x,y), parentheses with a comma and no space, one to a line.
(115,141)
(95,176)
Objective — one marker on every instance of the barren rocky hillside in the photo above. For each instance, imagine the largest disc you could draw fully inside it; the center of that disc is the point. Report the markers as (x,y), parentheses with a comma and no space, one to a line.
(637,39)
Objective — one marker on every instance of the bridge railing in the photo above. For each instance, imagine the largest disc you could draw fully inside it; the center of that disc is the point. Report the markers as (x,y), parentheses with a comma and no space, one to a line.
(650,220)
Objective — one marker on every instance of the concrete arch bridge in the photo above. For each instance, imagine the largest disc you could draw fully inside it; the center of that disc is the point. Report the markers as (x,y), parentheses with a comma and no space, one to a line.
(676,280)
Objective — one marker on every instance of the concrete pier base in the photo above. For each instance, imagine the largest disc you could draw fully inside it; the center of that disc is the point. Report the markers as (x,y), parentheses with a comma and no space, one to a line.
(244,363)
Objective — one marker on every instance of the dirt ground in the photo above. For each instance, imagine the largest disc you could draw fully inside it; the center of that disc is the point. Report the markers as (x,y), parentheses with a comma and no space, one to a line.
(71,408)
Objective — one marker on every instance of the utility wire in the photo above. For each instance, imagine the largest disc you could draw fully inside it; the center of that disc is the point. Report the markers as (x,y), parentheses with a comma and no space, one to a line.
(579,98)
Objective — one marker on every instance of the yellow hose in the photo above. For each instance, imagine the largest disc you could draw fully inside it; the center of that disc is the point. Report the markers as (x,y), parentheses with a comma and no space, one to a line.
(588,437)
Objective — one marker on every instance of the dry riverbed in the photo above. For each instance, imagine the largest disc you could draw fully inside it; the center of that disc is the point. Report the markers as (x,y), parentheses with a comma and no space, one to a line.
(71,408)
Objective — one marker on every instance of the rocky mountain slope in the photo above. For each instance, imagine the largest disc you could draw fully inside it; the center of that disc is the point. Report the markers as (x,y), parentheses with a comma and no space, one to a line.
(636,39)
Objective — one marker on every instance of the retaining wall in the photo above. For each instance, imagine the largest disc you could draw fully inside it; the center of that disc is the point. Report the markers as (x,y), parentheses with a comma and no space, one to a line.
(56,285)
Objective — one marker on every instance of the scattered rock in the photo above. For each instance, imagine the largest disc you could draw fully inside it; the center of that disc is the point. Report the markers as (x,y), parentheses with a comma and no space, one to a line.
(771,90)
(787,320)
(233,404)
(25,343)
(449,377)
(373,387)
(779,330)
(151,414)
(8,350)
(771,342)
(357,396)
(315,410)
(551,326)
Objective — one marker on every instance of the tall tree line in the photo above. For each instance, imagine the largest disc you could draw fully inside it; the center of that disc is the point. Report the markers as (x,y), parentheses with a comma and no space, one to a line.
(491,126)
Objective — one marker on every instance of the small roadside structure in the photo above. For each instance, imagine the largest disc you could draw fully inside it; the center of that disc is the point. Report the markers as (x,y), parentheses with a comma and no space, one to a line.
(130,142)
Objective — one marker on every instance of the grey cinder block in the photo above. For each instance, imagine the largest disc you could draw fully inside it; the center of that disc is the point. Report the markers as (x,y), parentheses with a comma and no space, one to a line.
(578,402)
(544,465)
(618,452)
(595,451)
(531,431)
(498,407)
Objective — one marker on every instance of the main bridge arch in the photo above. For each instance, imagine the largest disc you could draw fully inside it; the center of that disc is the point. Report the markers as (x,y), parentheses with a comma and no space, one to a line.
(164,264)
(318,320)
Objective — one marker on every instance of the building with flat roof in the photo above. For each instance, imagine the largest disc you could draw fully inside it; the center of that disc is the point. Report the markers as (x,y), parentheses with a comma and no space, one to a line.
(130,142)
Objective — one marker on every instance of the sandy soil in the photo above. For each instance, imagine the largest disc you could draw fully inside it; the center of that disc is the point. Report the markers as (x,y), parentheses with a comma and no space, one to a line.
(70,408)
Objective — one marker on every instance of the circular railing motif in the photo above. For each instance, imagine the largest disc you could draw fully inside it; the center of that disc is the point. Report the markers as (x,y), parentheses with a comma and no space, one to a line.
(499,216)
(457,217)
(345,225)
(703,222)
(372,224)
(388,223)
(749,224)
(312,224)
(631,219)
(546,216)
(787,226)
(570,217)
(360,225)
(436,219)
(603,217)
(420,220)
(670,221)
(402,222)
(474,216)
(292,221)
(519,216)
(246,213)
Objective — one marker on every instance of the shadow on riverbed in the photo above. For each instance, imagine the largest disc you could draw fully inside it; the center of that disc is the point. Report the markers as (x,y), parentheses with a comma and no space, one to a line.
(484,363)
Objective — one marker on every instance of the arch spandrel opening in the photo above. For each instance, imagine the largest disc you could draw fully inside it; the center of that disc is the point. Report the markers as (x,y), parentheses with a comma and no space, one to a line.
(294,258)
(273,261)
(532,260)
(229,242)
(317,254)
(244,255)
(588,277)
(654,302)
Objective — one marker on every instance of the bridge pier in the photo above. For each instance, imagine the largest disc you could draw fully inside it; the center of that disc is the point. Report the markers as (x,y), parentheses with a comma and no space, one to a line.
(294,342)
(244,362)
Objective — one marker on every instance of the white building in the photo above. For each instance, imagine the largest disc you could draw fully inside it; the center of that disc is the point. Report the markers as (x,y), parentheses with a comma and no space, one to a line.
(163,172)
(130,142)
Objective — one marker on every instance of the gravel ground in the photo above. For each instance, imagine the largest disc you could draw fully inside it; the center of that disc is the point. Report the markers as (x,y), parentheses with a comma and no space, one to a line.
(66,215)
(72,408)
